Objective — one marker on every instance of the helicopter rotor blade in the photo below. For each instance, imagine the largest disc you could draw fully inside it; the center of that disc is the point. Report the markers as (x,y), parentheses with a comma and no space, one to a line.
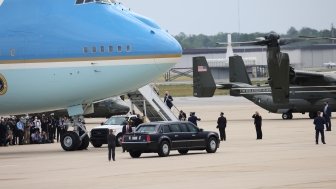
(286,41)
(262,43)
(316,38)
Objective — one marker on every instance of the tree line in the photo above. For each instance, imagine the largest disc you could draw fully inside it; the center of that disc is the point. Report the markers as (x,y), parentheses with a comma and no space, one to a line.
(207,41)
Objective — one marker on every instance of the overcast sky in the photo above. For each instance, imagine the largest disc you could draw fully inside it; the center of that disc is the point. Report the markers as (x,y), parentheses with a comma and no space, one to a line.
(245,16)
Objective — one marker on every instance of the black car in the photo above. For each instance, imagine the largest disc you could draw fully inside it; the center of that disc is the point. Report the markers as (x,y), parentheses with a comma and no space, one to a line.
(161,137)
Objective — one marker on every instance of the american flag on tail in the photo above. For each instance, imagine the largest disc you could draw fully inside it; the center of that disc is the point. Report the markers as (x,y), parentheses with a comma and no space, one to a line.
(202,68)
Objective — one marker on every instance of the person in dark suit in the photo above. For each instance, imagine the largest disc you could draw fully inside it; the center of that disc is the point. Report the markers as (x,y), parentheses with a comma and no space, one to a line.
(137,120)
(319,127)
(221,125)
(182,116)
(257,124)
(168,100)
(327,116)
(3,132)
(111,141)
(127,129)
(193,119)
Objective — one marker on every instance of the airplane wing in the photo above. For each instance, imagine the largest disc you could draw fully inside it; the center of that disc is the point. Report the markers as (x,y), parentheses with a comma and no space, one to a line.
(204,84)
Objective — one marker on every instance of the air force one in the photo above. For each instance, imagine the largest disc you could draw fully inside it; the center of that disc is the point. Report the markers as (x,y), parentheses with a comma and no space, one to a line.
(67,54)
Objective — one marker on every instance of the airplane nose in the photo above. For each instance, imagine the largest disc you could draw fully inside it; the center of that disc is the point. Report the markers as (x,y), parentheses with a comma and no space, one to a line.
(166,44)
(164,41)
(168,51)
(175,46)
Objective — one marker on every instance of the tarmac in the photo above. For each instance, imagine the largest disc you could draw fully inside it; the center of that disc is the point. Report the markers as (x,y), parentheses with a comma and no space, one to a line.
(286,157)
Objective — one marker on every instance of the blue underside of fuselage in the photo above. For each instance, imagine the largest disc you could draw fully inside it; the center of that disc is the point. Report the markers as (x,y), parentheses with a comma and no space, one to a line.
(63,86)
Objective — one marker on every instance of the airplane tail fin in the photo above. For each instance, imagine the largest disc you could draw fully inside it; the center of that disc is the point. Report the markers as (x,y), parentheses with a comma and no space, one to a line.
(204,84)
(238,73)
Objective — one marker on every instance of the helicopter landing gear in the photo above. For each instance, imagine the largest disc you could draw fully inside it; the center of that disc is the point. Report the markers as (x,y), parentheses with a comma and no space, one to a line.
(287,115)
(312,115)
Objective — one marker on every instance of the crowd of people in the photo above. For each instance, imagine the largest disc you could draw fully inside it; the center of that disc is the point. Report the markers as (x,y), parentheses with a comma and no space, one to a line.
(32,130)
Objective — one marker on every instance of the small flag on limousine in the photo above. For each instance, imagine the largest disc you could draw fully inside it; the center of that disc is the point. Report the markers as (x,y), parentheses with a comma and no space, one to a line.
(201,68)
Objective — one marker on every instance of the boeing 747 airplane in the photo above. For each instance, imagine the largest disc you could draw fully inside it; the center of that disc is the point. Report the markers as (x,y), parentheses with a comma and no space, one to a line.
(67,54)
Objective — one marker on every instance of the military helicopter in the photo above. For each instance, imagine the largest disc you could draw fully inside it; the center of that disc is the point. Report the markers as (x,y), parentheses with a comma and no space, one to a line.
(288,91)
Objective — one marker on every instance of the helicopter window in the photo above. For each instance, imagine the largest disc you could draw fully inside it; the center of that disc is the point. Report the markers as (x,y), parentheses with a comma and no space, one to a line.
(119,49)
(102,49)
(94,49)
(128,48)
(85,50)
(110,48)
(89,1)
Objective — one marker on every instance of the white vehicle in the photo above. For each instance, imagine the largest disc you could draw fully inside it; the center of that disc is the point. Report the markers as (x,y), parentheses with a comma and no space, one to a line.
(99,134)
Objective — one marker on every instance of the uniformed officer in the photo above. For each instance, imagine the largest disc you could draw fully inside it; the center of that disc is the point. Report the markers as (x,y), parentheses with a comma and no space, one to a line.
(257,124)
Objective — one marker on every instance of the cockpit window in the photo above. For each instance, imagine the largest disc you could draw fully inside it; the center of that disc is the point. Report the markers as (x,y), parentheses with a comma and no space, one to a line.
(79,1)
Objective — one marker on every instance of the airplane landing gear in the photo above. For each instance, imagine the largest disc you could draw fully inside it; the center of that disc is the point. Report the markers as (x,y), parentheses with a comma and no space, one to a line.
(77,139)
(70,141)
(312,115)
(287,115)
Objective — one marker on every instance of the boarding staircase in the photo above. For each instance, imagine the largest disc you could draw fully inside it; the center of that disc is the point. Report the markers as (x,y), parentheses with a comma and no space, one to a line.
(147,101)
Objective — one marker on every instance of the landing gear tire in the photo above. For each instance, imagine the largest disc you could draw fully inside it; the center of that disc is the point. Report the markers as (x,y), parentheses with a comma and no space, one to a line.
(164,149)
(287,116)
(85,143)
(70,141)
(312,115)
(212,145)
(96,144)
(118,140)
(135,154)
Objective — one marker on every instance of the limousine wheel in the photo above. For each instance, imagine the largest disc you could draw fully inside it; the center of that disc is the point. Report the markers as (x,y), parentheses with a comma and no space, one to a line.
(135,154)
(183,152)
(164,149)
(212,145)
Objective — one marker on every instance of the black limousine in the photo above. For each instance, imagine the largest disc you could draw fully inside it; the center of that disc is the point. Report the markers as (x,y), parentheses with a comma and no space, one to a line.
(161,137)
